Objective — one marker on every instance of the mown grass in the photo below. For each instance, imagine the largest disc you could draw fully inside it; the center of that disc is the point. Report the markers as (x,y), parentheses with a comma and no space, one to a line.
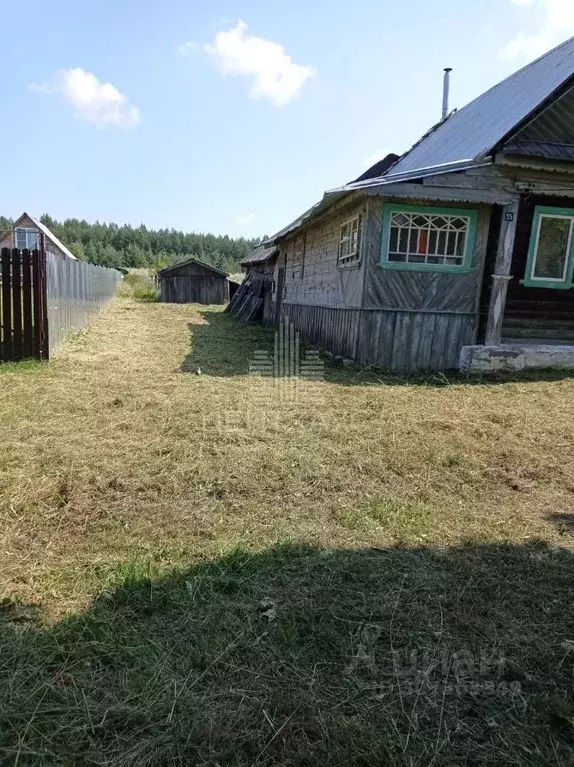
(199,567)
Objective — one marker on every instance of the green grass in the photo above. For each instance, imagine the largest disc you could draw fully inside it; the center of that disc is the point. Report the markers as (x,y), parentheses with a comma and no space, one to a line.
(198,569)
(140,285)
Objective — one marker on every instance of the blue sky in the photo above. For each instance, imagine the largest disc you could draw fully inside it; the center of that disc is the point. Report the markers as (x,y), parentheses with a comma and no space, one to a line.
(234,117)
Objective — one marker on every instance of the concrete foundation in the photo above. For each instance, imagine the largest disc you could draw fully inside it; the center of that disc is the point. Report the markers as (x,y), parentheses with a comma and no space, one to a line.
(515,357)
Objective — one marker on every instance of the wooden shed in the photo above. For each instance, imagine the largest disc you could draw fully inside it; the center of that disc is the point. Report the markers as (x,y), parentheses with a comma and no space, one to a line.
(193,282)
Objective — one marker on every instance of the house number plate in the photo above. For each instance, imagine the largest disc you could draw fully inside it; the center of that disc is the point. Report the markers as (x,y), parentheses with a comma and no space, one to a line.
(509,216)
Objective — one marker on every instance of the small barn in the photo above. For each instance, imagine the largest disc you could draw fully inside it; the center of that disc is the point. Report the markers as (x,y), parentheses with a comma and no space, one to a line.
(193,282)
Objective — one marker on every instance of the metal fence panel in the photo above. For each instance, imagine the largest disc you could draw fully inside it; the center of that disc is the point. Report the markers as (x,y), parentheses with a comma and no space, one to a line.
(76,291)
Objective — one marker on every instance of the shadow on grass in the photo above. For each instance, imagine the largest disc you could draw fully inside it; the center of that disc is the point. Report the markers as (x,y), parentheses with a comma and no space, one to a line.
(303,656)
(564,522)
(225,347)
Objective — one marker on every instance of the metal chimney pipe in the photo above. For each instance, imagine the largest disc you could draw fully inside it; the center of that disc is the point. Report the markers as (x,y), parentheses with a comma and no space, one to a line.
(446,93)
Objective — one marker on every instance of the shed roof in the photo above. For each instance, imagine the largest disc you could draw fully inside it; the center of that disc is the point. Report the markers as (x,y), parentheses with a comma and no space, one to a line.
(193,261)
(472,132)
(47,233)
(260,254)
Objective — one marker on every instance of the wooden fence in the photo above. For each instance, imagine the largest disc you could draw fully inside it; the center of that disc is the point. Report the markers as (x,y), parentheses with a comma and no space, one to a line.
(40,302)
(23,320)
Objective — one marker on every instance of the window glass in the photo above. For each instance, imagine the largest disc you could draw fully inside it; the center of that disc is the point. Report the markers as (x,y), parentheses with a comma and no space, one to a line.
(551,257)
(419,238)
(350,240)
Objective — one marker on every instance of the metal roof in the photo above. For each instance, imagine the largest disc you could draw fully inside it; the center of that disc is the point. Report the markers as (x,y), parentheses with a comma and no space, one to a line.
(261,253)
(467,137)
(472,132)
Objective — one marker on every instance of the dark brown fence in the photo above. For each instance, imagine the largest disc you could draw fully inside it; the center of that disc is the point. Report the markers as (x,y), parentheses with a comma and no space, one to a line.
(23,323)
(43,297)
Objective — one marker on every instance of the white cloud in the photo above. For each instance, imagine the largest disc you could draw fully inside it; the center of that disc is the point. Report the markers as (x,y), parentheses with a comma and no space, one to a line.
(187,48)
(95,101)
(245,219)
(273,72)
(375,157)
(557,25)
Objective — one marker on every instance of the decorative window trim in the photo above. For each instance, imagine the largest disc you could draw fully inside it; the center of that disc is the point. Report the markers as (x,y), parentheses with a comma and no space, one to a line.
(567,281)
(353,257)
(28,232)
(467,264)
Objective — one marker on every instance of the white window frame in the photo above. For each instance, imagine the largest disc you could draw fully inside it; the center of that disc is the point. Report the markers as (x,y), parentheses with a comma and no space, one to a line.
(353,257)
(28,230)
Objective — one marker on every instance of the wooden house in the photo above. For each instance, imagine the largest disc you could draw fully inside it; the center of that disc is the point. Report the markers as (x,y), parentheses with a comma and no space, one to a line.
(460,253)
(193,282)
(28,233)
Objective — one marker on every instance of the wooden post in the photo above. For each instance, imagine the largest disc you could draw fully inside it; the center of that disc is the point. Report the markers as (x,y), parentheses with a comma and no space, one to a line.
(6,305)
(501,276)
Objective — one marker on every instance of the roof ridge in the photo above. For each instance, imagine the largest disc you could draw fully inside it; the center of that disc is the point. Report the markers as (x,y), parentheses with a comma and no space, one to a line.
(472,131)
(515,74)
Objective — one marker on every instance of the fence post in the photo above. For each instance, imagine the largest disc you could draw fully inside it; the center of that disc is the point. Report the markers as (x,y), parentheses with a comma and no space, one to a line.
(16,305)
(40,313)
(27,321)
(6,305)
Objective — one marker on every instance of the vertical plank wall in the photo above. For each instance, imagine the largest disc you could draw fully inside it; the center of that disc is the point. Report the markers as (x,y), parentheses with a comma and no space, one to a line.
(399,320)
(322,300)
(418,320)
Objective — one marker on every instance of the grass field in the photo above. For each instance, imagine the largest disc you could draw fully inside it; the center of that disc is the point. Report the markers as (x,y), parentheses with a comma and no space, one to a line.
(198,567)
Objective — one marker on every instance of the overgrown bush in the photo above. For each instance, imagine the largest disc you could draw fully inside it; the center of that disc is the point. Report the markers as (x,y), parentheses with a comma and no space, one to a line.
(140,285)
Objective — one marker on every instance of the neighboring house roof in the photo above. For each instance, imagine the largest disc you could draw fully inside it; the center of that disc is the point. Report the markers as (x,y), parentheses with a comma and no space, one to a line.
(260,254)
(474,131)
(197,261)
(379,168)
(45,231)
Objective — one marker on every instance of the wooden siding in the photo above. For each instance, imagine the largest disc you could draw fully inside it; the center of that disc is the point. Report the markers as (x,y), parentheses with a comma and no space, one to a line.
(320,282)
(194,290)
(544,313)
(193,284)
(266,268)
(433,291)
(399,320)
(327,327)
(413,341)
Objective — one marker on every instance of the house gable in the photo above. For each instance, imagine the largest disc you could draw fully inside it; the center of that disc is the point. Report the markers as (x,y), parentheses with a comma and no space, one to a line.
(549,135)
(53,244)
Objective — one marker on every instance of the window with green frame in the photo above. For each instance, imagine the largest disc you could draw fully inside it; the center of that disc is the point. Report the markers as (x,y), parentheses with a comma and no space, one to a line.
(551,254)
(431,239)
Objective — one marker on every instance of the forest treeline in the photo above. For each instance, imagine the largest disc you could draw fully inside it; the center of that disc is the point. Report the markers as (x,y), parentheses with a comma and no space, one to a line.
(132,247)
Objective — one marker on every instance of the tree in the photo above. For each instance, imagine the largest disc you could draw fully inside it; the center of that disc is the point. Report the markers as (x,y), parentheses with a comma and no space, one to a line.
(78,250)
(125,245)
